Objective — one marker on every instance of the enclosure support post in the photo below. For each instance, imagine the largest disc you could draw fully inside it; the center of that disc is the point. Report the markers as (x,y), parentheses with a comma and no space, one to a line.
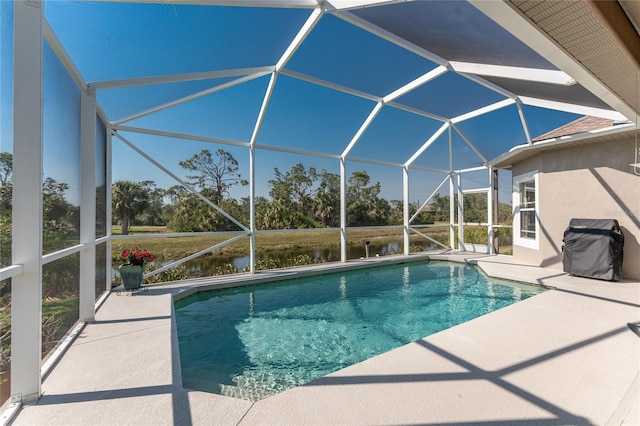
(252,209)
(252,172)
(405,195)
(460,213)
(343,209)
(26,288)
(88,204)
(452,214)
(490,221)
(109,220)
(452,211)
(494,242)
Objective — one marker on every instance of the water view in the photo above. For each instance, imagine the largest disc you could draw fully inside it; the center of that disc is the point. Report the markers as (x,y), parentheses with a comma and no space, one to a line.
(206,265)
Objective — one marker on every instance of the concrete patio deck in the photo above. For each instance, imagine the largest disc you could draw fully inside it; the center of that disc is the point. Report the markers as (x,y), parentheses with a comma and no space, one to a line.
(563,357)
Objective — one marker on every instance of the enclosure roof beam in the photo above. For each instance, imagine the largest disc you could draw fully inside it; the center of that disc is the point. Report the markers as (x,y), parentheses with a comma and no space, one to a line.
(471,169)
(306,29)
(489,85)
(486,109)
(263,108)
(429,169)
(515,73)
(524,122)
(178,135)
(222,141)
(177,78)
(471,145)
(390,37)
(371,161)
(417,112)
(62,54)
(576,109)
(304,4)
(427,77)
(329,85)
(356,4)
(360,94)
(297,151)
(428,143)
(367,122)
(188,98)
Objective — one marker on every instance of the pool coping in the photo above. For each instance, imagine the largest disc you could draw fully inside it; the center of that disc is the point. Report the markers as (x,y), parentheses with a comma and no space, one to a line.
(565,356)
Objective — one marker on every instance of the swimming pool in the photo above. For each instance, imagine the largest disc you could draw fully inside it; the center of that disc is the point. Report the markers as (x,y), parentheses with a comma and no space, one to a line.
(255,341)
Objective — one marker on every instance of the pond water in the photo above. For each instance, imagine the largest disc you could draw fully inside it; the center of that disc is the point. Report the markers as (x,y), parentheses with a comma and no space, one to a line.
(206,265)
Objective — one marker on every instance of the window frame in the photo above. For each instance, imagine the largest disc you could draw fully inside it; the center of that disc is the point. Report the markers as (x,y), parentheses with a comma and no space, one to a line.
(518,208)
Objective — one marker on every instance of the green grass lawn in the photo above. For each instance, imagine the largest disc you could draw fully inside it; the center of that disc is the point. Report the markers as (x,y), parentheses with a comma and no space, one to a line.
(178,247)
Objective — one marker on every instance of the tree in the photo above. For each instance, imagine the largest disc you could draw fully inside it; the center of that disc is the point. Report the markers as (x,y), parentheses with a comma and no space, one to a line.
(6,168)
(129,199)
(327,201)
(277,215)
(5,225)
(294,188)
(6,186)
(60,226)
(475,207)
(396,214)
(295,200)
(505,214)
(215,176)
(440,208)
(153,214)
(189,213)
(174,192)
(364,206)
(55,208)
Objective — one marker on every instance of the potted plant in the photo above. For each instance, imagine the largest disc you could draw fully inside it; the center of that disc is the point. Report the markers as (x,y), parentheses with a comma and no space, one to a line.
(132,271)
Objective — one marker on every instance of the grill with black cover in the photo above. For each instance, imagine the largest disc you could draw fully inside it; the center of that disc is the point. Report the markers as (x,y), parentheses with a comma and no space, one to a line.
(593,248)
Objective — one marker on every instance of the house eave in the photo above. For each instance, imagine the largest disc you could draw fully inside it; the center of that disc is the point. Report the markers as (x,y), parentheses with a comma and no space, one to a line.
(522,152)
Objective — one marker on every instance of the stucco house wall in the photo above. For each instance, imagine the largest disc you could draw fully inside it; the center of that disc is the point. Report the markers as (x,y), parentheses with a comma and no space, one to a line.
(590,180)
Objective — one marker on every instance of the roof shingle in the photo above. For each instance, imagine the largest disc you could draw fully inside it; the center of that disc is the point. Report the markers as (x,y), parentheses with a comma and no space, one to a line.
(581,125)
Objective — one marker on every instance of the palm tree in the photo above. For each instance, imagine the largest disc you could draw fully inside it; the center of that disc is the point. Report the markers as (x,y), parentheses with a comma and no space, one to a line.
(129,198)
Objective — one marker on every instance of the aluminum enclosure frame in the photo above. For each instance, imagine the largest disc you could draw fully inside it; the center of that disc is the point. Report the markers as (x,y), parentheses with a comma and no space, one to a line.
(31,29)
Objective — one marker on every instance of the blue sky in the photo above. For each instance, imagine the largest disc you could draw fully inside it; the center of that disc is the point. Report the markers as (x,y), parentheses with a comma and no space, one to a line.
(153,40)
(6,74)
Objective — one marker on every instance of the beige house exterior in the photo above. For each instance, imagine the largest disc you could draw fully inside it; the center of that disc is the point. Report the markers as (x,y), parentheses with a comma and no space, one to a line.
(589,175)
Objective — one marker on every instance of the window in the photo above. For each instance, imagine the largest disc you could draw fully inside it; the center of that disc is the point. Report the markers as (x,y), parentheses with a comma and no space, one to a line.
(525,202)
(528,209)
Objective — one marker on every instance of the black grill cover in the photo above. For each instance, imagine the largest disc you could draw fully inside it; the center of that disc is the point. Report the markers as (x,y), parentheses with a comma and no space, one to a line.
(593,248)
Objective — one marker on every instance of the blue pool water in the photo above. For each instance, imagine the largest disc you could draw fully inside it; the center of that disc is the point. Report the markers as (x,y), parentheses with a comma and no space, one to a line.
(256,341)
